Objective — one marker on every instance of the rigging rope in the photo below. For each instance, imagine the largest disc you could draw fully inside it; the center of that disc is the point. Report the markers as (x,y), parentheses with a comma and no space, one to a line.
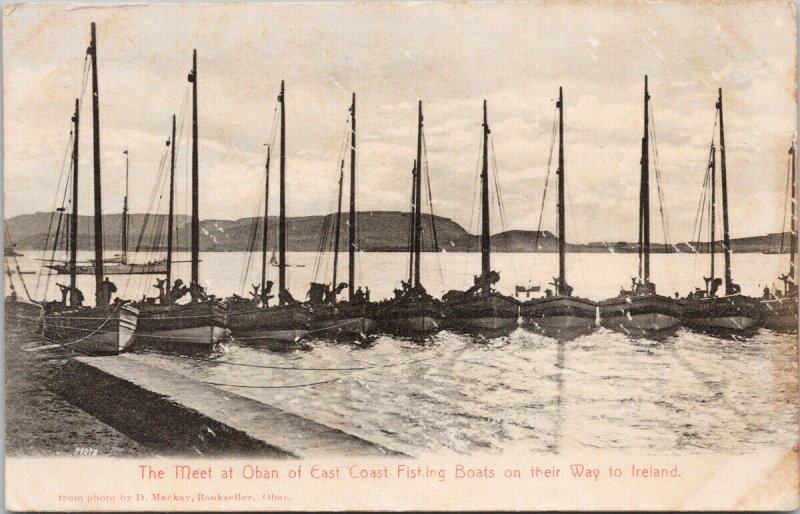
(553,133)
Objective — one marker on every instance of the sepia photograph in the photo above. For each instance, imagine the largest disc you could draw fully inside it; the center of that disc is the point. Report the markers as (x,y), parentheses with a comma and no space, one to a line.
(393,255)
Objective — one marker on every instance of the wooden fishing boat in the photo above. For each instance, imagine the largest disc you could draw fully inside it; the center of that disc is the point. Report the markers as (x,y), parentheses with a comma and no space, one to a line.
(480,307)
(703,309)
(106,330)
(119,264)
(289,321)
(560,313)
(413,311)
(640,311)
(202,321)
(354,318)
(102,329)
(778,310)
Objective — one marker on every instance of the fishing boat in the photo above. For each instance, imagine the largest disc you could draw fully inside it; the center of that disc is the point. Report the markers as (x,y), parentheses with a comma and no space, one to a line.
(119,264)
(106,328)
(354,317)
(779,308)
(413,311)
(257,322)
(640,310)
(202,321)
(481,307)
(559,312)
(705,310)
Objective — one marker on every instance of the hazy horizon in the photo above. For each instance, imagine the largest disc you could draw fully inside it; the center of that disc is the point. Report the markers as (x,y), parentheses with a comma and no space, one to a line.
(451,56)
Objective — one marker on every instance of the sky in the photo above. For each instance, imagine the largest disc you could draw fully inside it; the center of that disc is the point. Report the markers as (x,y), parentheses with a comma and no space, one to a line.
(451,56)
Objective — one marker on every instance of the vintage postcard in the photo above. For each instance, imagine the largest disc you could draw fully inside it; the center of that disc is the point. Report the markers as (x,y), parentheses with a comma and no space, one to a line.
(487,255)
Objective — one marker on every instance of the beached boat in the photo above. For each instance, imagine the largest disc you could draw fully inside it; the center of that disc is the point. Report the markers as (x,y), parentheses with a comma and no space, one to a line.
(413,311)
(256,321)
(779,308)
(640,310)
(354,317)
(559,313)
(480,307)
(201,322)
(106,328)
(704,310)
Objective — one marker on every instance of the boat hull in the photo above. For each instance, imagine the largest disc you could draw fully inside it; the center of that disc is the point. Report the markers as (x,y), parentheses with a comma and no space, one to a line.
(288,323)
(640,315)
(344,319)
(559,314)
(149,268)
(94,331)
(482,312)
(779,314)
(733,313)
(411,316)
(193,324)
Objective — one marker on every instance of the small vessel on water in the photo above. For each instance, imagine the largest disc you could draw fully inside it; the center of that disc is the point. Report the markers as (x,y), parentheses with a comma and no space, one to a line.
(413,311)
(480,307)
(705,310)
(119,264)
(354,317)
(256,321)
(560,313)
(640,310)
(202,321)
(107,328)
(779,309)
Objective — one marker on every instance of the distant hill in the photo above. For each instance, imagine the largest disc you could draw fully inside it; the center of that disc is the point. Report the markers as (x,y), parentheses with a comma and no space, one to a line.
(378,231)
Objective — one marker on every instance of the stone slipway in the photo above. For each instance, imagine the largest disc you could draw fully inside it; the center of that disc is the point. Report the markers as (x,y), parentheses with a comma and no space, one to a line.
(174,414)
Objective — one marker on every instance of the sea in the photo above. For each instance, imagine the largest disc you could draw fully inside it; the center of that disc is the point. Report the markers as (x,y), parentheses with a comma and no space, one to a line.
(469,394)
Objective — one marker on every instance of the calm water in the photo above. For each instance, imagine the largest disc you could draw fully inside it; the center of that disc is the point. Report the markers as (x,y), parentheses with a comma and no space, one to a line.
(521,392)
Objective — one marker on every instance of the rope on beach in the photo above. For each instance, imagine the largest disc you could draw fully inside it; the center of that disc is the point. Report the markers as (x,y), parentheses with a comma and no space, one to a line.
(272,386)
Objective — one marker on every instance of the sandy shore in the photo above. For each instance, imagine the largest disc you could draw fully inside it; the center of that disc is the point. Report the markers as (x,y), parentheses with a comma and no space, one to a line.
(42,423)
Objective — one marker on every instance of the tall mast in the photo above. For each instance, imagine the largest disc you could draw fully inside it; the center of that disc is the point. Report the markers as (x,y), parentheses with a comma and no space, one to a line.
(485,234)
(125,214)
(351,271)
(336,230)
(98,198)
(713,207)
(418,201)
(266,214)
(73,221)
(171,203)
(644,195)
(793,221)
(195,178)
(282,217)
(726,237)
(413,225)
(562,272)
